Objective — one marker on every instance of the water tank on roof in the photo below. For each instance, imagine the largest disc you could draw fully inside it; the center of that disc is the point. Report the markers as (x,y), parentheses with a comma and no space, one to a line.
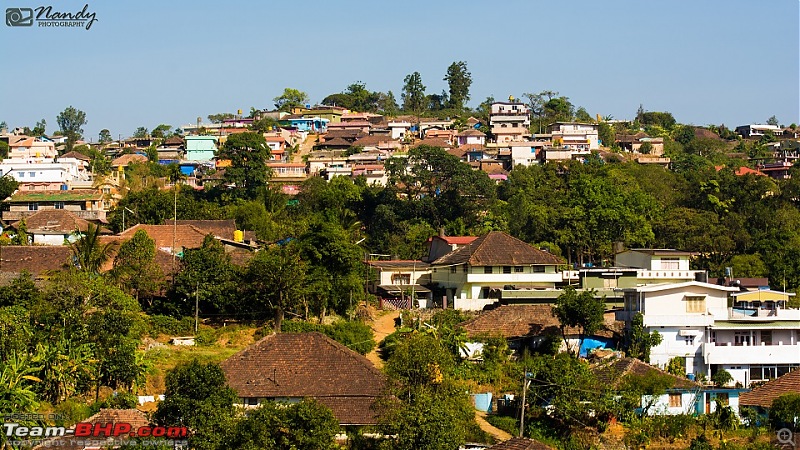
(238,236)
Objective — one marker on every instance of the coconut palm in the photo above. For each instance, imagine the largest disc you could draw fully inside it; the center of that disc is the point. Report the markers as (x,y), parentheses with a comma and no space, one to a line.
(88,252)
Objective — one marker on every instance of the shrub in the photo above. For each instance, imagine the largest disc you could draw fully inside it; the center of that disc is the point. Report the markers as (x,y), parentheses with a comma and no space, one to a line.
(169,325)
(506,423)
(722,377)
(356,336)
(785,411)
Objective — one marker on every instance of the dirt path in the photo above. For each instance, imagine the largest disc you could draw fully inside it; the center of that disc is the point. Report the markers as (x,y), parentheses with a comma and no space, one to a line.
(497,433)
(305,148)
(382,326)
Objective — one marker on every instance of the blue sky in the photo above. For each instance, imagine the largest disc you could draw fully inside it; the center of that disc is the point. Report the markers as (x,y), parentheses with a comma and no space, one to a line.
(149,62)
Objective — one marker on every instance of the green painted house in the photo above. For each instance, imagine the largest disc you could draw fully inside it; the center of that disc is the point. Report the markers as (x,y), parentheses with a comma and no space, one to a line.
(201,148)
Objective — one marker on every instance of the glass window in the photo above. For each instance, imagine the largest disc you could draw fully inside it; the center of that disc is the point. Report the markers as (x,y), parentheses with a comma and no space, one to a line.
(487,269)
(688,340)
(453,269)
(538,269)
(465,268)
(21,174)
(675,400)
(33,206)
(506,269)
(670,263)
(31,174)
(59,205)
(766,337)
(518,269)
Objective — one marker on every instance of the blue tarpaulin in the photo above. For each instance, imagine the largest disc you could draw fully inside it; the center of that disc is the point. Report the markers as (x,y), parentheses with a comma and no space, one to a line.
(591,344)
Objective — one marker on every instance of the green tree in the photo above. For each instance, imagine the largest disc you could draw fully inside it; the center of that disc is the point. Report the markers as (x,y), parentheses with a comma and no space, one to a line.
(141,133)
(40,128)
(207,275)
(643,391)
(638,341)
(387,104)
(290,98)
(276,279)
(17,383)
(304,425)
(721,378)
(21,237)
(581,310)
(219,118)
(162,131)
(646,148)
(773,121)
(459,81)
(559,109)
(4,149)
(581,115)
(135,268)
(105,136)
(248,172)
(748,266)
(198,397)
(414,94)
(71,122)
(785,412)
(89,252)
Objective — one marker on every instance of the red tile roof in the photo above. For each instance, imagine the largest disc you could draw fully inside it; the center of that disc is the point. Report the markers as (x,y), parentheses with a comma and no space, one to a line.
(220,228)
(124,160)
(765,394)
(132,417)
(55,221)
(458,240)
(612,373)
(498,249)
(35,259)
(297,365)
(185,236)
(76,155)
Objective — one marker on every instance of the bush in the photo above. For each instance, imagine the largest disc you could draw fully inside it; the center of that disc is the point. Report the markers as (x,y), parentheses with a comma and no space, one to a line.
(785,410)
(169,325)
(356,336)
(722,377)
(506,423)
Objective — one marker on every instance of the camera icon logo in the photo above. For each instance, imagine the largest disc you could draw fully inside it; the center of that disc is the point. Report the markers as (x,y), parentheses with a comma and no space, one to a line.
(19,17)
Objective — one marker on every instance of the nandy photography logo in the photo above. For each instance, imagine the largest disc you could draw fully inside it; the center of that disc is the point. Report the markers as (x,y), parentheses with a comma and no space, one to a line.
(47,16)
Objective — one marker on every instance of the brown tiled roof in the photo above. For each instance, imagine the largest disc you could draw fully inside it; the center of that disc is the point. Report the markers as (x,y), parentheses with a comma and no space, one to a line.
(432,142)
(373,140)
(629,138)
(124,160)
(498,249)
(76,155)
(519,443)
(335,142)
(514,321)
(471,132)
(346,134)
(308,365)
(55,221)
(220,228)
(186,236)
(174,140)
(457,152)
(765,394)
(34,258)
(132,417)
(612,373)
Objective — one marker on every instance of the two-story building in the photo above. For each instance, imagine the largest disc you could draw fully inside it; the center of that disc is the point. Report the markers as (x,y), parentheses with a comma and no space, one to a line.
(474,274)
(201,148)
(575,136)
(510,122)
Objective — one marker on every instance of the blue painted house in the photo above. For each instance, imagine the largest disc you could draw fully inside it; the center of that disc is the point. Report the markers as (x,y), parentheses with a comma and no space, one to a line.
(309,124)
(201,148)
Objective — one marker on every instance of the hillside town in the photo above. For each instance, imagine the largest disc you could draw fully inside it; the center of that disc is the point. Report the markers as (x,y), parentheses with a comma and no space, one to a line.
(365,274)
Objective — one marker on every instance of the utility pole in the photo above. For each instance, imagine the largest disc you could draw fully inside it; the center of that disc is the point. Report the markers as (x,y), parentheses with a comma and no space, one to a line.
(196,307)
(525,384)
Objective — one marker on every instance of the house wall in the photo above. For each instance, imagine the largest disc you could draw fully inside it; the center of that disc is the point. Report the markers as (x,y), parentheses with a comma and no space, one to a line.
(673,344)
(51,239)
(672,303)
(690,402)
(642,260)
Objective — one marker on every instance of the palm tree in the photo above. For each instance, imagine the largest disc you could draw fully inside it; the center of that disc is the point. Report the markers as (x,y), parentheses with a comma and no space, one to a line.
(88,252)
(16,376)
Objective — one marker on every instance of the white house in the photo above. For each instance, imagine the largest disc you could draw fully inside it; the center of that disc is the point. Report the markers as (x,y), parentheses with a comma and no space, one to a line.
(471,136)
(574,135)
(399,129)
(24,147)
(758,130)
(659,265)
(401,280)
(46,174)
(474,274)
(510,121)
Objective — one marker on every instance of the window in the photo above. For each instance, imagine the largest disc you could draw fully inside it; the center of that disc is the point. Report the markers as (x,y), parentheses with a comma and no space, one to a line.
(106,190)
(538,269)
(465,269)
(58,205)
(33,206)
(688,340)
(31,174)
(453,269)
(506,269)
(741,338)
(21,174)
(675,400)
(766,337)
(670,263)
(519,269)
(401,278)
(695,304)
(487,269)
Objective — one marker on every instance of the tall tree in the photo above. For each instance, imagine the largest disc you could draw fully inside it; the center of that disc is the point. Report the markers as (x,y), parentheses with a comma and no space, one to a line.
(290,98)
(220,117)
(276,279)
(135,268)
(40,128)
(305,425)
(105,136)
(413,96)
(207,275)
(248,153)
(71,122)
(581,310)
(459,80)
(141,132)
(161,131)
(773,121)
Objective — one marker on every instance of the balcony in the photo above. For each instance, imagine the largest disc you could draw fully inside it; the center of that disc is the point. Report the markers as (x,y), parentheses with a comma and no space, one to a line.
(667,274)
(751,354)
(763,314)
(678,320)
(514,278)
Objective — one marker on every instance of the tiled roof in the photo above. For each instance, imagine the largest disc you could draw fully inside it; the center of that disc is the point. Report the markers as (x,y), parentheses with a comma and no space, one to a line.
(519,443)
(132,417)
(432,142)
(498,249)
(458,240)
(76,155)
(308,365)
(74,195)
(765,394)
(612,373)
(373,140)
(514,321)
(335,142)
(471,132)
(34,258)
(124,160)
(55,221)
(220,228)
(186,236)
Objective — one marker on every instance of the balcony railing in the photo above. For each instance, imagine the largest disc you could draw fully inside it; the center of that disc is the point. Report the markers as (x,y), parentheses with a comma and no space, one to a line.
(777,353)
(763,314)
(514,278)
